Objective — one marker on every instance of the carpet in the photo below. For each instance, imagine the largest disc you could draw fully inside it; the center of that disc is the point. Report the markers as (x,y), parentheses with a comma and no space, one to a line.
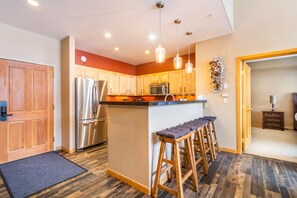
(30,175)
(275,144)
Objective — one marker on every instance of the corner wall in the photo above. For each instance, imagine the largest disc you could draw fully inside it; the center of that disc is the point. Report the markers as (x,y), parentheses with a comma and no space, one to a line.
(260,26)
(22,45)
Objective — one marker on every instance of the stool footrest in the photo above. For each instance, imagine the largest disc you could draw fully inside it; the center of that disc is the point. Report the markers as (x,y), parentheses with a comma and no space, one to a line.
(186,176)
(168,189)
(166,169)
(168,161)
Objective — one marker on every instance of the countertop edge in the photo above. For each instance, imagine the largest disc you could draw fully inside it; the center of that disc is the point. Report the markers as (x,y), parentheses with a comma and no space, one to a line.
(150,103)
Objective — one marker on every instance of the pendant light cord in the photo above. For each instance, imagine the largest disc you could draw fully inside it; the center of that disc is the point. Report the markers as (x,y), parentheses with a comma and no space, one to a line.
(189,48)
(160,21)
(176,38)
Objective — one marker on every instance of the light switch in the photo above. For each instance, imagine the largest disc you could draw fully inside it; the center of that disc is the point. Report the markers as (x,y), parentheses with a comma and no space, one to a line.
(205,105)
(225,94)
(225,85)
(225,100)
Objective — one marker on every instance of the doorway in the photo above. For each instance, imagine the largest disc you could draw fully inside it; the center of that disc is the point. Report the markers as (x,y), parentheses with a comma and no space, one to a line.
(244,129)
(26,98)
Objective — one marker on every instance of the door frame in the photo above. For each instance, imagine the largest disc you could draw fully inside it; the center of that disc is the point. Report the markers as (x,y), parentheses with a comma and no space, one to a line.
(239,62)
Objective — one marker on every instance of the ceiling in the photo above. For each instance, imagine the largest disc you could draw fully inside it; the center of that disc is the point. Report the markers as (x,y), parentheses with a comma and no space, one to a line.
(274,63)
(130,22)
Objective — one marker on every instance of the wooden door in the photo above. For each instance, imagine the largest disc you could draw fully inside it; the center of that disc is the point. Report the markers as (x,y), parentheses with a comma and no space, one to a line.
(28,90)
(132,89)
(79,71)
(124,84)
(91,73)
(163,77)
(113,83)
(146,84)
(246,105)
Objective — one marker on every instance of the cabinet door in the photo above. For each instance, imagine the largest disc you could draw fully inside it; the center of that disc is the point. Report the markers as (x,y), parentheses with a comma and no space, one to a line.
(91,73)
(79,71)
(189,82)
(113,83)
(146,84)
(132,90)
(154,78)
(124,84)
(103,75)
(163,77)
(139,85)
(175,82)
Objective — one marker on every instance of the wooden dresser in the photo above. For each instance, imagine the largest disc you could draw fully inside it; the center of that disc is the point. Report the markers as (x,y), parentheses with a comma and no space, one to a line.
(273,120)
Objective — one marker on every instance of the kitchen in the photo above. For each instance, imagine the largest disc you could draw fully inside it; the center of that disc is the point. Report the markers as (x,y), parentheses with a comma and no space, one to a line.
(23,42)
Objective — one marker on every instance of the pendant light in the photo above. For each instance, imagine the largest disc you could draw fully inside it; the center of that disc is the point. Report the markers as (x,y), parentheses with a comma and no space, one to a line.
(177,61)
(189,65)
(160,50)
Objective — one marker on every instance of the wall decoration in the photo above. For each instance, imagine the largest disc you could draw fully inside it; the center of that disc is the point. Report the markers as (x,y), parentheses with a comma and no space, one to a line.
(217,74)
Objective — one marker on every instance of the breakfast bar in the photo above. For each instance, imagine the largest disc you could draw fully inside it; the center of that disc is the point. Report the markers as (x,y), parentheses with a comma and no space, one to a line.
(133,146)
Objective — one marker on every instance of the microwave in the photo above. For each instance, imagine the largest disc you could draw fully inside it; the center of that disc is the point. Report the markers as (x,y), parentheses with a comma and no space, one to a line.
(159,88)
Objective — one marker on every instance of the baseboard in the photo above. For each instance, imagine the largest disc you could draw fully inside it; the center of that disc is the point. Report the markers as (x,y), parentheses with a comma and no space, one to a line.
(58,148)
(257,125)
(228,150)
(68,150)
(129,181)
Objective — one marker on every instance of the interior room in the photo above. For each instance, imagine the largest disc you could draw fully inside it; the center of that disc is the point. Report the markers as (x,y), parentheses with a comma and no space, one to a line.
(275,77)
(148,98)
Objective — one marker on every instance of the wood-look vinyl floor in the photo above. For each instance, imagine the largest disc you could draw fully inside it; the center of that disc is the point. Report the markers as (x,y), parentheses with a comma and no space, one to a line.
(230,175)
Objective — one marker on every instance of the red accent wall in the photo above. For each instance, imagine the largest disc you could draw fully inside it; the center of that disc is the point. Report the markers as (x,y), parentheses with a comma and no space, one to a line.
(101,62)
(153,67)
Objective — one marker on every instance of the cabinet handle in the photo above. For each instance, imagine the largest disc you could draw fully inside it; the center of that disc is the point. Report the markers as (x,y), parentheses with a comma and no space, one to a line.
(181,89)
(184,89)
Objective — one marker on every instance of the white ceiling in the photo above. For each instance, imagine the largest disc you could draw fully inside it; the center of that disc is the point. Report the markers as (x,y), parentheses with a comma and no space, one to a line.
(274,63)
(129,21)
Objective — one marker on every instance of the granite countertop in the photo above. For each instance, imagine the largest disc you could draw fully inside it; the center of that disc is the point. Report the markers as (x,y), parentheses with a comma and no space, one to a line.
(150,103)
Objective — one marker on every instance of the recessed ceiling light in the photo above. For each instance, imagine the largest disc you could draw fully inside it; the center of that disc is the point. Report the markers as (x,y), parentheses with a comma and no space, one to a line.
(116,49)
(147,52)
(209,16)
(33,2)
(107,35)
(83,59)
(152,37)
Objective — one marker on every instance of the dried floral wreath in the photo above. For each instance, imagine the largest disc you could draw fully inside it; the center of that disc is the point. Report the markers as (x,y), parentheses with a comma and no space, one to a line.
(217,73)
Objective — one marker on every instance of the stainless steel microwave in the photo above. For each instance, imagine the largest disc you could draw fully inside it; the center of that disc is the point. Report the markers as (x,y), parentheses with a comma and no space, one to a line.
(159,88)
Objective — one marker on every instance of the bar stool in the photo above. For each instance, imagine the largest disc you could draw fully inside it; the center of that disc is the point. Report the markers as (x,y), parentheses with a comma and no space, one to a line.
(174,136)
(199,147)
(213,133)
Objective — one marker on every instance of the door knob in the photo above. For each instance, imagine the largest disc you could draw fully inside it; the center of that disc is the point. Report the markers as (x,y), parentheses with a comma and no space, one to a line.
(3,111)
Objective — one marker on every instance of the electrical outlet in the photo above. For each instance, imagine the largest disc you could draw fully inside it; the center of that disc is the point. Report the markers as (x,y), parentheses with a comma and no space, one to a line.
(225,100)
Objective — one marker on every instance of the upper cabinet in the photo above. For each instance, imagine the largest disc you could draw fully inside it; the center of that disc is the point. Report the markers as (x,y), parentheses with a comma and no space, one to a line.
(159,77)
(113,83)
(176,82)
(189,82)
(122,84)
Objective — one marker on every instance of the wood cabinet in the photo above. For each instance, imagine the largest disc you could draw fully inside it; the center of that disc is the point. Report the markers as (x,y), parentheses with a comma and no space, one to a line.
(159,77)
(146,84)
(79,71)
(103,75)
(113,83)
(176,82)
(189,82)
(273,120)
(139,85)
(90,73)
(127,84)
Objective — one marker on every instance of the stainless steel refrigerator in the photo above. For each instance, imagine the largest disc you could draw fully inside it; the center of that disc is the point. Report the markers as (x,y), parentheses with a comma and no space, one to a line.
(91,117)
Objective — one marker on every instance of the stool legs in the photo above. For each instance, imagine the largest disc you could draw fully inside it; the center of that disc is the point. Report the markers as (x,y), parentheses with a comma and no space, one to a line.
(198,138)
(208,143)
(216,142)
(176,163)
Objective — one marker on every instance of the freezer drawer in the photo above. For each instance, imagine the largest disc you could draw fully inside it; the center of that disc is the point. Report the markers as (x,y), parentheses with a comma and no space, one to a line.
(91,132)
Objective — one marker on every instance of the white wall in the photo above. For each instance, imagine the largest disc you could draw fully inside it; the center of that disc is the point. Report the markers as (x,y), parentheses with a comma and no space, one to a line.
(260,26)
(21,45)
(281,82)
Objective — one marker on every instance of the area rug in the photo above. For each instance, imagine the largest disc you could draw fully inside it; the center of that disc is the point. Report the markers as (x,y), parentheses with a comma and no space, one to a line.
(28,176)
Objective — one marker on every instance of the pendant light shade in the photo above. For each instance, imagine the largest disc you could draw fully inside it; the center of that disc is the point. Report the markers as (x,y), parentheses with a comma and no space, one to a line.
(160,54)
(177,61)
(160,50)
(189,65)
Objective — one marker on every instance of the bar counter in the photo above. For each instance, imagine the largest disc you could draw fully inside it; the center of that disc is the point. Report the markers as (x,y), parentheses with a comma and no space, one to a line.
(133,146)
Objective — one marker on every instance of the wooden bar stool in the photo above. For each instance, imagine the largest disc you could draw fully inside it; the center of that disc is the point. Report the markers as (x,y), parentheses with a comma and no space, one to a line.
(174,136)
(212,130)
(198,144)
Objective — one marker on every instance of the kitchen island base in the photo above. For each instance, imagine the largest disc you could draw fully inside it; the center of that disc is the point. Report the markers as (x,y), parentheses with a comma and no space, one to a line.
(133,146)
